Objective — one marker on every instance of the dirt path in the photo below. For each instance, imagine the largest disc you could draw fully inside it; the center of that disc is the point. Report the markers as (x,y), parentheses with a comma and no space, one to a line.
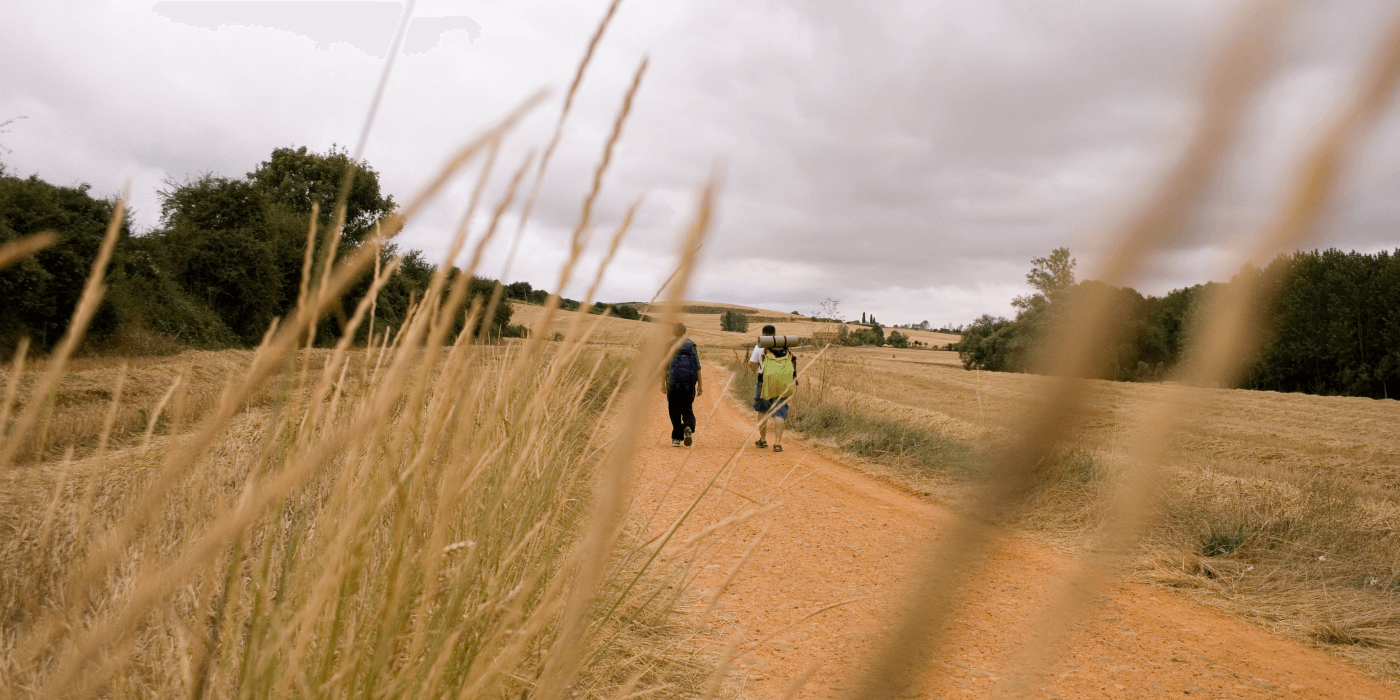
(833,535)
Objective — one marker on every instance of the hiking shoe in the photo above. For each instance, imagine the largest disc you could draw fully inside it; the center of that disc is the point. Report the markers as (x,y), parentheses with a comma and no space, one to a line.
(688,433)
(675,443)
(777,448)
(761,443)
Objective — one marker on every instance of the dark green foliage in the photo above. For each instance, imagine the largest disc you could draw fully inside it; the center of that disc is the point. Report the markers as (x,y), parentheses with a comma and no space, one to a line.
(522,291)
(616,310)
(40,292)
(734,321)
(1333,319)
(226,260)
(1337,325)
(897,340)
(861,336)
(479,293)
(145,297)
(989,343)
(239,244)
(295,179)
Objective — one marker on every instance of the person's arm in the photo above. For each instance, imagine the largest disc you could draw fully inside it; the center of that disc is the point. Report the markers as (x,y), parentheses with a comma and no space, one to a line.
(700,381)
(794,368)
(755,366)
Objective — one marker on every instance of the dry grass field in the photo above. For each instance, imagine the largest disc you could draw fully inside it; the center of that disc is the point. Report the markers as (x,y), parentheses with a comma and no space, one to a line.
(443,516)
(1281,509)
(705,328)
(307,547)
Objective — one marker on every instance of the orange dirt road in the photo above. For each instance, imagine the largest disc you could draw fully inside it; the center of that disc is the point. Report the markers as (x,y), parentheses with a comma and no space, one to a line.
(834,534)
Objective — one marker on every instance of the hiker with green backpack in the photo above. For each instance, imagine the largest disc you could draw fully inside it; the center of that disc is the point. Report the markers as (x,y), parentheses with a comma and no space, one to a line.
(777,378)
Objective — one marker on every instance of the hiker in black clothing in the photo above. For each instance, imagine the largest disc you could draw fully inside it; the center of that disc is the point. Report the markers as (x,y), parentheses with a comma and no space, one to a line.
(681,385)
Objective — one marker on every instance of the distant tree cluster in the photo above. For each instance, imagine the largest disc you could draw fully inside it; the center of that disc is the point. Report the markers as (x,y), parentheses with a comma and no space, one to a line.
(522,291)
(1334,320)
(225,260)
(626,311)
(734,321)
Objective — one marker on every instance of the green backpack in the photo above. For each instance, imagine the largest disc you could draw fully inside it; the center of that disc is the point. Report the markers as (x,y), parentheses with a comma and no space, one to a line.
(777,374)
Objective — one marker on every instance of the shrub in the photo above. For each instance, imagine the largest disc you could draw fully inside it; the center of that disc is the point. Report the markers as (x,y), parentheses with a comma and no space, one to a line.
(40,292)
(862,336)
(897,340)
(734,321)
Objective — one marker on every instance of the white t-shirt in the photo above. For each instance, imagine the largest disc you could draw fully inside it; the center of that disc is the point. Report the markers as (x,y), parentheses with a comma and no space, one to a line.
(756,355)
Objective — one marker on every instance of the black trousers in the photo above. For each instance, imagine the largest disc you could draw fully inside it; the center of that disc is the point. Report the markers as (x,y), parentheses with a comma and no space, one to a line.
(680,403)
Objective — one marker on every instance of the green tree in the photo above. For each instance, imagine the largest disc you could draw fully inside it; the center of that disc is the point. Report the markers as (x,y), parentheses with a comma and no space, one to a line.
(897,340)
(626,311)
(1048,276)
(39,294)
(734,321)
(295,179)
(987,343)
(239,244)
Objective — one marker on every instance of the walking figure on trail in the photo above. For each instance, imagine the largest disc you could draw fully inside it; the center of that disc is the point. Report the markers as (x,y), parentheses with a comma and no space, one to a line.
(777,376)
(681,384)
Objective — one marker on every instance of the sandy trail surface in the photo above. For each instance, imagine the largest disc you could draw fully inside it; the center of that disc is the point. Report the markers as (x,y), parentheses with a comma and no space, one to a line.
(830,535)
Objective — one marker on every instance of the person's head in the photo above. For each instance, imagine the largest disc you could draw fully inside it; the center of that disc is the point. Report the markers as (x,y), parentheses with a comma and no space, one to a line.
(770,330)
(679,330)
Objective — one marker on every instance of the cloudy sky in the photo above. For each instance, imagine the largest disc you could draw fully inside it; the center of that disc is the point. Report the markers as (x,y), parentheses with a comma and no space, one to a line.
(906,158)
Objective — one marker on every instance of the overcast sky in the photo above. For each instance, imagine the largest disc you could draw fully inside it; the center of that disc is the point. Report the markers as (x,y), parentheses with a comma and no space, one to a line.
(906,158)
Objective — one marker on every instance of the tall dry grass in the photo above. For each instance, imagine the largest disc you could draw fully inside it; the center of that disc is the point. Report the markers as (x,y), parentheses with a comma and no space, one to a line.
(434,516)
(431,516)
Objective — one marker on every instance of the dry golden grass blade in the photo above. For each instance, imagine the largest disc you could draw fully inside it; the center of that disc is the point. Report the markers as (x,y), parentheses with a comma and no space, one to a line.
(93,290)
(558,134)
(310,255)
(12,384)
(14,251)
(266,361)
(1229,334)
(610,497)
(490,235)
(801,681)
(579,239)
(395,222)
(618,236)
(1230,328)
(734,571)
(1012,473)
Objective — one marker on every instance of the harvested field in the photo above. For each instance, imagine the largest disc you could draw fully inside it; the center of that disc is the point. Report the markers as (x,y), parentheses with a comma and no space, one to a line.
(705,329)
(1281,509)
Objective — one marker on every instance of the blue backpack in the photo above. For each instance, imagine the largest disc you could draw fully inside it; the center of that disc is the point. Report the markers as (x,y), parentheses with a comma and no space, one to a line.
(685,365)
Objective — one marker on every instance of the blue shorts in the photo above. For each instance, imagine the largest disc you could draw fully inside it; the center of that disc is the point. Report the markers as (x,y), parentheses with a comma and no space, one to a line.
(762,405)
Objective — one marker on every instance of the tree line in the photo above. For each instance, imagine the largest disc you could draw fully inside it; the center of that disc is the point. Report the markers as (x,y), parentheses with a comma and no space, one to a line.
(1332,317)
(224,261)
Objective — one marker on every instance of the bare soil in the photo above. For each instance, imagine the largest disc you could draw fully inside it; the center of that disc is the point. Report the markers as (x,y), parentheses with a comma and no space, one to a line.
(833,534)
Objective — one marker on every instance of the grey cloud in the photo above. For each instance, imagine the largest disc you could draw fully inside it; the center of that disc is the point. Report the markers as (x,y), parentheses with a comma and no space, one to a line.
(908,158)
